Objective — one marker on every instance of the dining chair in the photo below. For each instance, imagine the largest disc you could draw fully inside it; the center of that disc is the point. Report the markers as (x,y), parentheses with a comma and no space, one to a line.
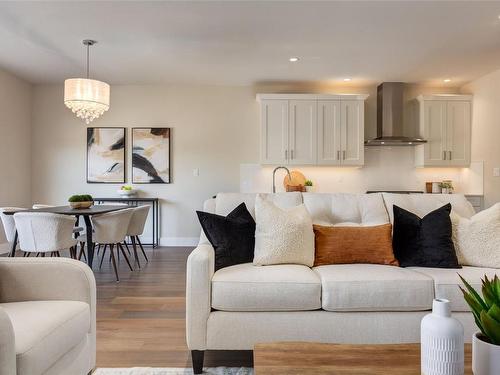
(110,230)
(77,229)
(9,225)
(136,228)
(43,232)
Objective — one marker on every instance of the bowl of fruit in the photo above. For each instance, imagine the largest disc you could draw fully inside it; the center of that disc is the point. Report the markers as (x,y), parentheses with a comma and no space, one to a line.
(126,191)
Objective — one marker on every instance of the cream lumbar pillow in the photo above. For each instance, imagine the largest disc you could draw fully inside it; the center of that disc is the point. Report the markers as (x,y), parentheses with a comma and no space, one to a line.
(282,236)
(477,240)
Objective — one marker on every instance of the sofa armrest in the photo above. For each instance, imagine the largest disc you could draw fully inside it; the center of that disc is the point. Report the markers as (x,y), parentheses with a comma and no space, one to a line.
(7,345)
(45,279)
(200,269)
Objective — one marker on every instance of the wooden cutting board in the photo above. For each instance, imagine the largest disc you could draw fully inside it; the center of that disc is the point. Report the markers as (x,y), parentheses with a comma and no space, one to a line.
(297,179)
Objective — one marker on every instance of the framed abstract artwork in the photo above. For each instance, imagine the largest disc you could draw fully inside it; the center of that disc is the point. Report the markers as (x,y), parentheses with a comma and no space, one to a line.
(106,155)
(151,155)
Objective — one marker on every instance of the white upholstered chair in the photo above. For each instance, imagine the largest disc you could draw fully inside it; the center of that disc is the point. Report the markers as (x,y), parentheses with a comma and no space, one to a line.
(42,232)
(47,317)
(77,229)
(135,229)
(110,230)
(9,226)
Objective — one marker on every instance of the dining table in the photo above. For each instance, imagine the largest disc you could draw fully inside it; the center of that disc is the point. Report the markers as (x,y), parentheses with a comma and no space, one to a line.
(86,213)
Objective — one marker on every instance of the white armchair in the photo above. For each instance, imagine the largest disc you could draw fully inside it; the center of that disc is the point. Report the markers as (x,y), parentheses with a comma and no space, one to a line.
(47,317)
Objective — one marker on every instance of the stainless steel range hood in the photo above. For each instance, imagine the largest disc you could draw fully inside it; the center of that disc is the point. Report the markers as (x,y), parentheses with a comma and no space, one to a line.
(390,129)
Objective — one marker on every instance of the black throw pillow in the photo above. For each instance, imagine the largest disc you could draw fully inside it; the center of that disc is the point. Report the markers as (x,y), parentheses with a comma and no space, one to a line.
(424,242)
(232,236)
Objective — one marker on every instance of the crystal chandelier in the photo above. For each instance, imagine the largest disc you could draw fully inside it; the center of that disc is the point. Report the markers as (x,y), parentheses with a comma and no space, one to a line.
(87,98)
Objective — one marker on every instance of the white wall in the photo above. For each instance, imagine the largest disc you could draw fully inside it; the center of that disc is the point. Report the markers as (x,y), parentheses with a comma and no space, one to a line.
(15,142)
(486,130)
(213,129)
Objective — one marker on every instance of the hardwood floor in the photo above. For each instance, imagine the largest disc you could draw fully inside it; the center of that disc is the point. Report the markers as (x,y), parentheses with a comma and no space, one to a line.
(141,319)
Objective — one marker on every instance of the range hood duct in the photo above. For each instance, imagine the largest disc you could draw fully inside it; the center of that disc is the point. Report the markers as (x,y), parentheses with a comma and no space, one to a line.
(390,129)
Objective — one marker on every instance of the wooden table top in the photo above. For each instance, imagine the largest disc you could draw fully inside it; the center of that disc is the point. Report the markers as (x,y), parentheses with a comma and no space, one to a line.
(67,210)
(294,358)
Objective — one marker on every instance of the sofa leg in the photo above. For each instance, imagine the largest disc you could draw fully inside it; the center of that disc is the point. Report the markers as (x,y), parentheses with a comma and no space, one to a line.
(197,358)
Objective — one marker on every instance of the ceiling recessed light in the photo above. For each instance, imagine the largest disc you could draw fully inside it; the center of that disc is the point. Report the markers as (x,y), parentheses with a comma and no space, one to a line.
(446,80)
(347,79)
(293,59)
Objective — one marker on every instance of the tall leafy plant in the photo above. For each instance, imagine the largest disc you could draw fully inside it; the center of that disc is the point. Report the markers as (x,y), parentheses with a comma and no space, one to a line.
(486,309)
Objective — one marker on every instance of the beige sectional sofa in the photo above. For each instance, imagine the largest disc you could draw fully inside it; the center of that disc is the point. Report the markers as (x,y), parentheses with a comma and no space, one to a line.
(47,317)
(239,306)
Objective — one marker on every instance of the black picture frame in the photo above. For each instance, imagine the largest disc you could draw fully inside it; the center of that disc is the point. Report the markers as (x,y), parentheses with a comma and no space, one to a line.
(169,156)
(90,131)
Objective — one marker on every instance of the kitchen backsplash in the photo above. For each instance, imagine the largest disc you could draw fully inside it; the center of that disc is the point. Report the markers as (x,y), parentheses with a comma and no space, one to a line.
(385,169)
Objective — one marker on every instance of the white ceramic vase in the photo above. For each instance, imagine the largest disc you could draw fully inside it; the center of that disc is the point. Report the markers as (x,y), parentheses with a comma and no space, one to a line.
(485,357)
(442,341)
(309,189)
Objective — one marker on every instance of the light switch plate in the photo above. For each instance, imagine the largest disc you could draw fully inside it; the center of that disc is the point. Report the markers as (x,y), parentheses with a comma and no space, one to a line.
(496,172)
(196,172)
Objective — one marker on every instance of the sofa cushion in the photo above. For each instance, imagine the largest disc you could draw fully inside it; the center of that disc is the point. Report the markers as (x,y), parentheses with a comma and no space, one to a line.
(226,202)
(46,330)
(447,282)
(370,287)
(341,208)
(246,287)
(422,204)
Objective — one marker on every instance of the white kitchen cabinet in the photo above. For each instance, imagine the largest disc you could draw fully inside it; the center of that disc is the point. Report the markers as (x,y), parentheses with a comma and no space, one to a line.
(274,131)
(302,132)
(329,146)
(352,132)
(309,129)
(445,122)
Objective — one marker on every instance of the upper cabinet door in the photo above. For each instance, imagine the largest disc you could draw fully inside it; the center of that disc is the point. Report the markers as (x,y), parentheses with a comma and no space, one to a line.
(302,132)
(352,132)
(458,131)
(434,114)
(274,132)
(329,150)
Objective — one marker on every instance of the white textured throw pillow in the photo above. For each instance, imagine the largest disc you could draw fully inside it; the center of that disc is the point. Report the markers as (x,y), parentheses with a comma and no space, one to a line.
(282,236)
(477,240)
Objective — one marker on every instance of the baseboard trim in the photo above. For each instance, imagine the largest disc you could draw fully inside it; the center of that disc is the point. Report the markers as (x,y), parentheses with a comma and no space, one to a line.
(179,241)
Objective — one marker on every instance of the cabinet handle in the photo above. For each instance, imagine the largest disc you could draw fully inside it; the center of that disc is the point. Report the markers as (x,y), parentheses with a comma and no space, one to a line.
(286,154)
(444,155)
(291,154)
(338,154)
(343,155)
(449,155)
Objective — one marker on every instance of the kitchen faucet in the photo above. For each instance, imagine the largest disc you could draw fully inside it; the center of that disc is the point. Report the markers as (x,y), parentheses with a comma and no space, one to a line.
(274,176)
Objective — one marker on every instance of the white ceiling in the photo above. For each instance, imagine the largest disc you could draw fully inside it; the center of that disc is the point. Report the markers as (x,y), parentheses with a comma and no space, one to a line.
(241,43)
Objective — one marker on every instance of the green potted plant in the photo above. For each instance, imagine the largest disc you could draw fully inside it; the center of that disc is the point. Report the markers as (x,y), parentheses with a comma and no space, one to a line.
(446,187)
(81,201)
(309,186)
(486,311)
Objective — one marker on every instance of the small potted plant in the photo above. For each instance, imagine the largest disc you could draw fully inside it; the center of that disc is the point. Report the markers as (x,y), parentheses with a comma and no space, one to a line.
(81,201)
(309,186)
(446,187)
(486,311)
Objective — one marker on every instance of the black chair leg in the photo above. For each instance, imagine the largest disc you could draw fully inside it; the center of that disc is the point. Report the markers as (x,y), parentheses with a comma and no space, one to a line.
(119,245)
(197,358)
(142,249)
(111,250)
(102,256)
(134,245)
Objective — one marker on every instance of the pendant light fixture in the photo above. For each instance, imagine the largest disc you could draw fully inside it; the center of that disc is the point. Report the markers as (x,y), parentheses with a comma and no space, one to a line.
(87,98)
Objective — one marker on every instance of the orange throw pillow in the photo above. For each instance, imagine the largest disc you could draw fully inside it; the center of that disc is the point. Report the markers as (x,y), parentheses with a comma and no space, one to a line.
(356,244)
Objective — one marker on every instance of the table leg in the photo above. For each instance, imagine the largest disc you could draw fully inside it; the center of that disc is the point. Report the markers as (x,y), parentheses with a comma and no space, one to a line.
(90,245)
(14,245)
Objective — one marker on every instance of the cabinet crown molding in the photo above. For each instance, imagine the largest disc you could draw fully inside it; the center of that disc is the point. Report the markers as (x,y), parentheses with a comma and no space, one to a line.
(260,97)
(447,97)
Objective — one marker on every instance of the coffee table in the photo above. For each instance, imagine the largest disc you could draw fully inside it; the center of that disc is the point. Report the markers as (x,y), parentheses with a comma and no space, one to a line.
(293,358)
